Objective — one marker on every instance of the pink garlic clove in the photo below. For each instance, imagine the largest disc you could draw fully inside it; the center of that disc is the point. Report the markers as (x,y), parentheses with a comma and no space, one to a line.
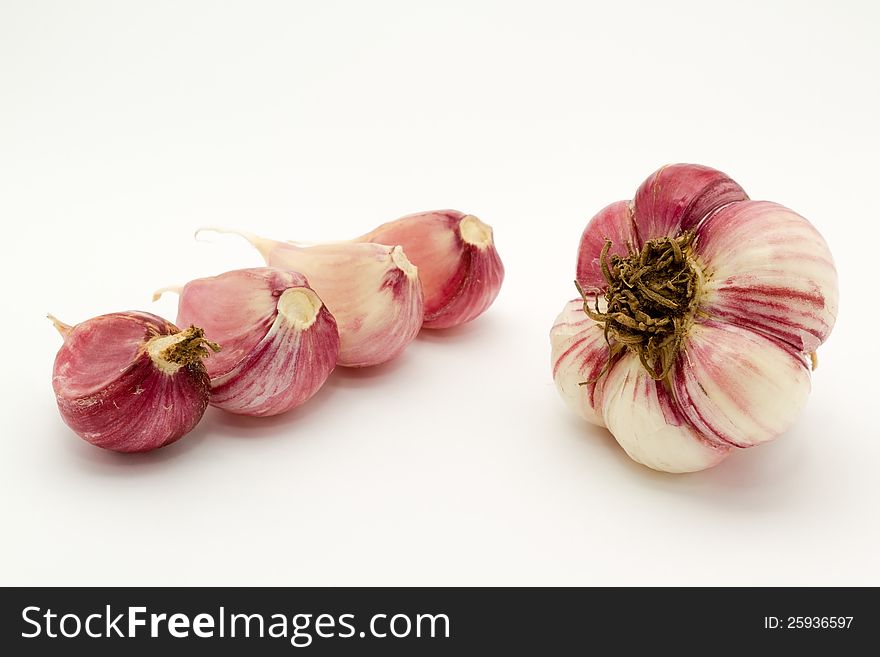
(372,290)
(280,341)
(770,270)
(737,386)
(615,223)
(579,354)
(458,263)
(678,197)
(130,382)
(645,421)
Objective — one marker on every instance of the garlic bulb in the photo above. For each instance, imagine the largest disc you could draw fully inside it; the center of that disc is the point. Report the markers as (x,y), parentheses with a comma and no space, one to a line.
(280,342)
(372,290)
(699,312)
(459,266)
(130,382)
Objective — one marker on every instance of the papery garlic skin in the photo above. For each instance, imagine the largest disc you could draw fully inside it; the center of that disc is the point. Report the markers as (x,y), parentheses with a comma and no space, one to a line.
(119,385)
(644,418)
(458,263)
(280,343)
(578,355)
(372,290)
(769,269)
(755,293)
(737,386)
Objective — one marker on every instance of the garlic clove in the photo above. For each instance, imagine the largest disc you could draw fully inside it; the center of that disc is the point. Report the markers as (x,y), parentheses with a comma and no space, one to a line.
(738,386)
(459,266)
(677,197)
(646,422)
(280,341)
(770,270)
(372,290)
(130,382)
(615,223)
(579,354)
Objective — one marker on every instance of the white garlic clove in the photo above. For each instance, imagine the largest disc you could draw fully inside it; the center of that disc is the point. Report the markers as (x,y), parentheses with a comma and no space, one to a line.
(130,382)
(646,422)
(738,386)
(579,354)
(459,266)
(678,197)
(613,222)
(372,290)
(769,269)
(280,342)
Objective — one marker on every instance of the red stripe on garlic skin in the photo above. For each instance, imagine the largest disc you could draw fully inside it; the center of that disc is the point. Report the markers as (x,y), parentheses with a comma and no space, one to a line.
(737,386)
(280,341)
(458,263)
(116,389)
(578,355)
(372,290)
(721,299)
(646,422)
(769,270)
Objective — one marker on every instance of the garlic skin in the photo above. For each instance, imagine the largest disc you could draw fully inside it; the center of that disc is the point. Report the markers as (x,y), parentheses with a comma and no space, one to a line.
(458,263)
(578,355)
(645,420)
(737,386)
(131,381)
(280,343)
(712,305)
(372,290)
(769,270)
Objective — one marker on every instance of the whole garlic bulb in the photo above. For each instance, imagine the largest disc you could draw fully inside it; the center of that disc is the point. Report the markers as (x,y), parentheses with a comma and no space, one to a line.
(458,263)
(131,382)
(699,312)
(280,343)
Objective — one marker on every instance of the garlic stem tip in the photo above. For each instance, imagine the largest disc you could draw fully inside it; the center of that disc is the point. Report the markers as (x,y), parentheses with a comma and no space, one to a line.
(175,289)
(261,244)
(222,231)
(60,326)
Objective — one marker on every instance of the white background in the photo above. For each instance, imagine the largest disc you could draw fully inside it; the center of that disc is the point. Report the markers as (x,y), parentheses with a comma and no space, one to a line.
(126,125)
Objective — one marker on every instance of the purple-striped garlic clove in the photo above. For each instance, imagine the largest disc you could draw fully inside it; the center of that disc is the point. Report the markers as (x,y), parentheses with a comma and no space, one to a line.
(372,290)
(644,419)
(579,356)
(615,223)
(280,343)
(458,263)
(769,269)
(677,197)
(131,381)
(739,387)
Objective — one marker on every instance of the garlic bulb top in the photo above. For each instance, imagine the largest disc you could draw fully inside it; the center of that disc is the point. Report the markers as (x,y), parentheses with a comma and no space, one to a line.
(702,307)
